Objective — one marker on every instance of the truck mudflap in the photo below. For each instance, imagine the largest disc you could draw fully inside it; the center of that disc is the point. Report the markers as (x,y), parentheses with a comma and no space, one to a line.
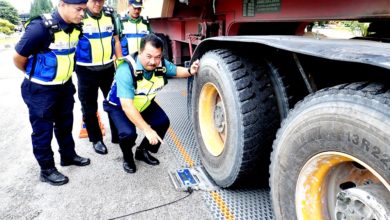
(350,50)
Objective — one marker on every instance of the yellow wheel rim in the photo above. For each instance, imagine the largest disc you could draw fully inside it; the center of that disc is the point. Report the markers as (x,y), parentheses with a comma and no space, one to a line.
(319,181)
(212,119)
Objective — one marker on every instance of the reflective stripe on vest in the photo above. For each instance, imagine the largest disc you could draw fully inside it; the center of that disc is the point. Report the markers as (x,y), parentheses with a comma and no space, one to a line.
(96,45)
(55,66)
(146,90)
(132,34)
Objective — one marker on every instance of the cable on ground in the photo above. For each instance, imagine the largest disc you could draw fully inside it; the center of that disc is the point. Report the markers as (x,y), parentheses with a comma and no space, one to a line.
(189,191)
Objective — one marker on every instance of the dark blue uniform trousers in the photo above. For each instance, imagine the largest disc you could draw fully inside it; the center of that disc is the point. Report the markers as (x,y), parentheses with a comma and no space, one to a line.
(154,115)
(89,82)
(50,108)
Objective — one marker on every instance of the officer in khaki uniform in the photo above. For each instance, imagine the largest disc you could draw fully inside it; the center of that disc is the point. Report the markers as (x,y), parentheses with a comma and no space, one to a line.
(134,28)
(45,53)
(95,67)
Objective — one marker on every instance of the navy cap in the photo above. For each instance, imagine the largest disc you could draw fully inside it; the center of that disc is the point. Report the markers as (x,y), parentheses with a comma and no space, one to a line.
(75,1)
(136,3)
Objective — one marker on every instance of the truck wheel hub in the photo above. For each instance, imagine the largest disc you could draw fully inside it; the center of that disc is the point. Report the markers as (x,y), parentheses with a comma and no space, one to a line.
(212,119)
(219,117)
(365,202)
(338,186)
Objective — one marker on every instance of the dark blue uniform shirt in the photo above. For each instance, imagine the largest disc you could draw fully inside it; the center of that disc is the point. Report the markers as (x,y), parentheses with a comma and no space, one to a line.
(48,105)
(37,37)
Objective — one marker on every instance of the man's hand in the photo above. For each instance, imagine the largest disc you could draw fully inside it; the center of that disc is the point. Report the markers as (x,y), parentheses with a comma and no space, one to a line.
(152,136)
(134,116)
(182,72)
(194,67)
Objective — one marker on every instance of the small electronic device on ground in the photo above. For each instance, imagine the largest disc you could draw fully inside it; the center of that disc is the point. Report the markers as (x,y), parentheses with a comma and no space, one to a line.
(193,177)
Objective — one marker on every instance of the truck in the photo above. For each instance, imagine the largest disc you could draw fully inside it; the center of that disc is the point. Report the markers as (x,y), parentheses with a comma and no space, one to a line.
(276,102)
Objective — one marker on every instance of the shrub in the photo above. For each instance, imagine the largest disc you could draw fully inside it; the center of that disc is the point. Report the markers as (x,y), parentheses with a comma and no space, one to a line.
(6,27)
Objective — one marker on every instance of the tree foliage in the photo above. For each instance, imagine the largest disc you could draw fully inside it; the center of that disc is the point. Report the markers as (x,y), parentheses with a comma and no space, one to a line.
(6,27)
(39,7)
(355,25)
(8,12)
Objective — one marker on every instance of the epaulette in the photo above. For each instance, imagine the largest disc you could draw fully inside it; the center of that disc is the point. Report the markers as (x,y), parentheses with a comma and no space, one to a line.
(108,11)
(123,17)
(145,20)
(47,20)
(50,23)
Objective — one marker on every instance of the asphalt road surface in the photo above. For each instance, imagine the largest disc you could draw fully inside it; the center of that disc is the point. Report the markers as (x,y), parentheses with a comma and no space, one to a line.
(101,190)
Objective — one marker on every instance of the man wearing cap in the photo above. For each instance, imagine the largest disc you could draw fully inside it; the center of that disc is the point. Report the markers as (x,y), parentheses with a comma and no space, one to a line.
(134,28)
(45,53)
(95,67)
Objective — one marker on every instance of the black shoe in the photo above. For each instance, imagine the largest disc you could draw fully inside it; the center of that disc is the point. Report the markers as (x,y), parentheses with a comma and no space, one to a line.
(76,160)
(53,177)
(144,155)
(99,147)
(129,167)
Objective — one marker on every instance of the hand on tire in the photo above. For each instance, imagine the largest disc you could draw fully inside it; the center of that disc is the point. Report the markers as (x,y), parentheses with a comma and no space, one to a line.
(194,67)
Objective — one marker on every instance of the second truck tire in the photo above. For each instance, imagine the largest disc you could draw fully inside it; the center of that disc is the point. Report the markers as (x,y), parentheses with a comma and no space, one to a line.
(331,158)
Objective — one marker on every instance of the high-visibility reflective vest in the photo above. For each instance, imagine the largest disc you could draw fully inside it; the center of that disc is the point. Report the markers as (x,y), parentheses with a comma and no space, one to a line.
(132,32)
(145,90)
(55,65)
(96,46)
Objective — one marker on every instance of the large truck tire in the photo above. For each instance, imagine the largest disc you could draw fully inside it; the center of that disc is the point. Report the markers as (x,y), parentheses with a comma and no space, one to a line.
(286,80)
(235,117)
(331,158)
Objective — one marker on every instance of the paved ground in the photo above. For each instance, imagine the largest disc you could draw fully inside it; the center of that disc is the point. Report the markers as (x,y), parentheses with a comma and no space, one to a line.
(101,190)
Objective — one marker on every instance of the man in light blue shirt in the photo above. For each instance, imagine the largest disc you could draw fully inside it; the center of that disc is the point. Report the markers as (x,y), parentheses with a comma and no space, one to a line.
(131,104)
(124,80)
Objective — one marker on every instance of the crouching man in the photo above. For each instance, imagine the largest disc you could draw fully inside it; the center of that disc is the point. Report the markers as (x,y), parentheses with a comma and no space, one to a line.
(131,104)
